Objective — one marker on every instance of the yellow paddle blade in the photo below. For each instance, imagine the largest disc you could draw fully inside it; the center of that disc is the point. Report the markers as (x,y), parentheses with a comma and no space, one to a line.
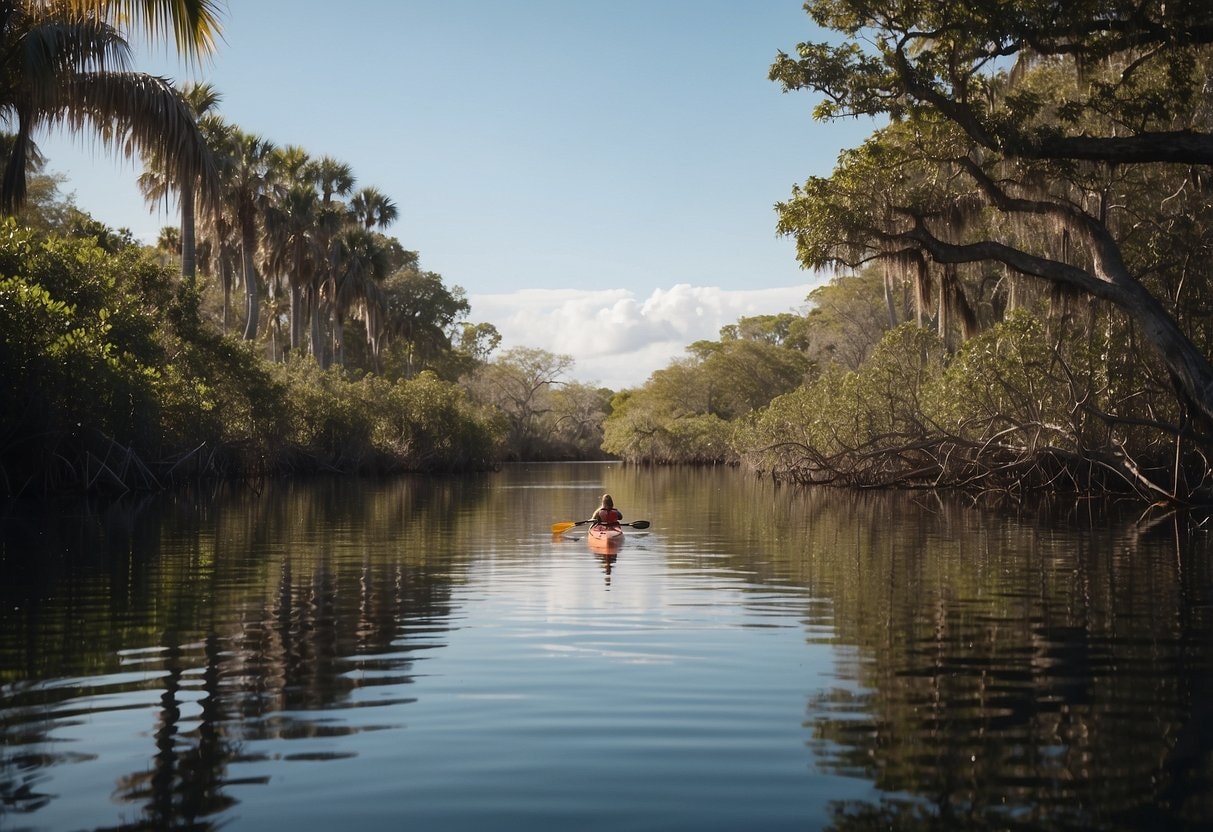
(561,528)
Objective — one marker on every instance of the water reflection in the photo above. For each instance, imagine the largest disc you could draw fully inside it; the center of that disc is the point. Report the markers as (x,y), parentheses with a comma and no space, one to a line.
(277,620)
(995,669)
(1002,672)
(607,559)
(605,552)
(985,670)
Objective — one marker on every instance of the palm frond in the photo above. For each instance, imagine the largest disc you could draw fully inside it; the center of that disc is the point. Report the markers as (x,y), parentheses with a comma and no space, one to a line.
(142,114)
(201,98)
(192,25)
(50,50)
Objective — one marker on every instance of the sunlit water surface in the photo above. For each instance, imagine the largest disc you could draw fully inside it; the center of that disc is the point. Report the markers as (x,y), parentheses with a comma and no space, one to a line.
(423,654)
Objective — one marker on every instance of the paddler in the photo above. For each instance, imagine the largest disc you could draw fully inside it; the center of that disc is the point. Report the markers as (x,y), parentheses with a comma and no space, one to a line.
(607,514)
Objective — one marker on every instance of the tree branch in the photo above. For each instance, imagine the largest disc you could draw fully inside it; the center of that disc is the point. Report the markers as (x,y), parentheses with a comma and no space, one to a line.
(1185,147)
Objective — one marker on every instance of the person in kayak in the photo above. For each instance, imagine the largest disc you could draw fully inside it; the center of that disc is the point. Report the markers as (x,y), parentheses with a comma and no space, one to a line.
(607,514)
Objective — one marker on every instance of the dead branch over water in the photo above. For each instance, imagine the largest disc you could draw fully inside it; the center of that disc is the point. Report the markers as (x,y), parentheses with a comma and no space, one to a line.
(1014,461)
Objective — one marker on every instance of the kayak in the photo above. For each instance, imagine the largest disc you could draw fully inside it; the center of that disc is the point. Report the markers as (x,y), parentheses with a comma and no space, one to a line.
(605,537)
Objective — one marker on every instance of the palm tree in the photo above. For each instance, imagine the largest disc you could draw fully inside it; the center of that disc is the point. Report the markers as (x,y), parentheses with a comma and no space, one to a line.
(292,166)
(369,207)
(245,174)
(156,181)
(219,250)
(292,233)
(332,179)
(202,99)
(359,264)
(293,246)
(372,208)
(168,243)
(218,254)
(66,63)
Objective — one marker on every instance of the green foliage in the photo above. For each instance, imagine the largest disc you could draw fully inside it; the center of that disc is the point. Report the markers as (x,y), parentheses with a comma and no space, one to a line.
(471,346)
(330,417)
(218,393)
(65,369)
(80,367)
(374,425)
(419,312)
(112,381)
(1056,170)
(847,319)
(640,430)
(434,425)
(574,425)
(1018,405)
(1064,389)
(46,209)
(780,330)
(521,384)
(1005,378)
(685,412)
(876,408)
(1028,161)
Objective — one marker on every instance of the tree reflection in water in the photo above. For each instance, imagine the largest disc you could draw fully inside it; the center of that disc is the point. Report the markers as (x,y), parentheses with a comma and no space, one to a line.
(237,646)
(990,670)
(1024,667)
(1006,688)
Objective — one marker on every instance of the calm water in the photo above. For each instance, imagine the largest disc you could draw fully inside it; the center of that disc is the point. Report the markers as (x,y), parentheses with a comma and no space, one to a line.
(422,654)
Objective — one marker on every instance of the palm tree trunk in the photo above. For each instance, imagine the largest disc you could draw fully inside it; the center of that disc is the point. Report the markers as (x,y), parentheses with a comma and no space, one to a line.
(189,263)
(322,327)
(339,341)
(225,276)
(296,317)
(297,305)
(252,299)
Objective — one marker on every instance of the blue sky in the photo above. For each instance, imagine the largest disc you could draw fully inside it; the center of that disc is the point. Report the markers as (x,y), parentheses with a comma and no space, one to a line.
(598,176)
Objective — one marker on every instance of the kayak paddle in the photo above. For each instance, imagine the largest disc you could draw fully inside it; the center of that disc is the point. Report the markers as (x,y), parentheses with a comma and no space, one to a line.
(561,528)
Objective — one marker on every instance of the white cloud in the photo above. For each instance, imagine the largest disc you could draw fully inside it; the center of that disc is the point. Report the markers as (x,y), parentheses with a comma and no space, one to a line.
(617,339)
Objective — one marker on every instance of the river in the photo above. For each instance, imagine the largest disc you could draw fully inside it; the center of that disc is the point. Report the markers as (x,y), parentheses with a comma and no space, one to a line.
(422,653)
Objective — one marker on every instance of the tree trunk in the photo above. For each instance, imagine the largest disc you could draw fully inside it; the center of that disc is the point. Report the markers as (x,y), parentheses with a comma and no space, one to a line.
(225,277)
(298,281)
(339,341)
(252,299)
(189,264)
(890,303)
(296,317)
(319,343)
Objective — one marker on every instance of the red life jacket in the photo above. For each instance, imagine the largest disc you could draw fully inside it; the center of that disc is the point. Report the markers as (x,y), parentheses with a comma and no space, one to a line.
(607,516)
